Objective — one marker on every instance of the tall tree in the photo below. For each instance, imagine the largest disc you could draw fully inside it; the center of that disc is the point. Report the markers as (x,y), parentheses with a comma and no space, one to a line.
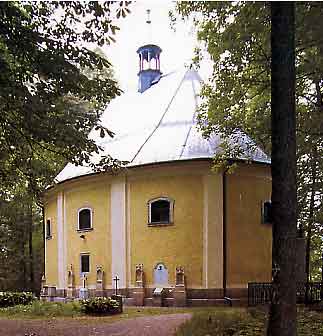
(43,85)
(53,91)
(282,316)
(237,96)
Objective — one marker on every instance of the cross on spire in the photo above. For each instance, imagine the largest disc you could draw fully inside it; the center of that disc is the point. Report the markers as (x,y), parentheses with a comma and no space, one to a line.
(148,16)
(149,27)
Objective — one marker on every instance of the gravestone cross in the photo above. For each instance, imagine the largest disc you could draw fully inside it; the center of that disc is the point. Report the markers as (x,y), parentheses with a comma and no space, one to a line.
(116,279)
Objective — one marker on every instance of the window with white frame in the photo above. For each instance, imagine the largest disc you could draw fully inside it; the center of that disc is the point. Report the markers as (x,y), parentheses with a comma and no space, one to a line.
(85,263)
(84,219)
(160,211)
(48,229)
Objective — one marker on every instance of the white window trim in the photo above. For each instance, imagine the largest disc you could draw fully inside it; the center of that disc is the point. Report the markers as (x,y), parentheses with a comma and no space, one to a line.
(81,255)
(171,211)
(51,229)
(91,219)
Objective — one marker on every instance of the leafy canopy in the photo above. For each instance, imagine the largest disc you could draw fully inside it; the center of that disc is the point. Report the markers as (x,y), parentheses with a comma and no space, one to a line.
(237,96)
(48,100)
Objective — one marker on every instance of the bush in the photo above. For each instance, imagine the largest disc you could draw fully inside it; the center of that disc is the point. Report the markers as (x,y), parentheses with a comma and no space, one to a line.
(42,309)
(100,305)
(8,299)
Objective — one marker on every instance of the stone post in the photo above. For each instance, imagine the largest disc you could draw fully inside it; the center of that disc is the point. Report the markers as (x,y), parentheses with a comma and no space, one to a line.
(83,293)
(42,284)
(70,283)
(158,295)
(99,281)
(180,288)
(43,289)
(139,291)
(51,294)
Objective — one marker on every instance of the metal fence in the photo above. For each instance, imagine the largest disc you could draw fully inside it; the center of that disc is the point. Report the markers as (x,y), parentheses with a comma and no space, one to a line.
(260,293)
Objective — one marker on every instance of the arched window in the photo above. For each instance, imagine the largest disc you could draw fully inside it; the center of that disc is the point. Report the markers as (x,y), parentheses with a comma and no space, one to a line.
(160,211)
(85,219)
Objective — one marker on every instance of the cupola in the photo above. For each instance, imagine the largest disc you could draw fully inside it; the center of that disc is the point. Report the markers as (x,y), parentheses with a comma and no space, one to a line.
(149,63)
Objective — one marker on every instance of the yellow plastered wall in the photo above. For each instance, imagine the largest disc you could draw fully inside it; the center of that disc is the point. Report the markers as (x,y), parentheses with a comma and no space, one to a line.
(51,273)
(248,239)
(94,194)
(214,241)
(173,245)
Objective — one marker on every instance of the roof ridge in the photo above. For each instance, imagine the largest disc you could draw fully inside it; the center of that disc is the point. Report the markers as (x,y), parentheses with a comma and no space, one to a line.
(161,119)
(190,128)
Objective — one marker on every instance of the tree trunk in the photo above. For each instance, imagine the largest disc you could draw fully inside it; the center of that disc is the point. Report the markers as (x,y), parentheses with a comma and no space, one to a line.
(310,218)
(282,316)
(30,246)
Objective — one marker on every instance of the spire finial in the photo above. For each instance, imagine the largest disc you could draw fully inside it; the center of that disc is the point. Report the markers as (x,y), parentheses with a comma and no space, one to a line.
(148,16)
(149,27)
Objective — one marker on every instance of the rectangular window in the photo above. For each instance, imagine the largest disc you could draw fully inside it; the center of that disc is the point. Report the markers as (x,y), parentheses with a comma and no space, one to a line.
(267,212)
(85,263)
(48,229)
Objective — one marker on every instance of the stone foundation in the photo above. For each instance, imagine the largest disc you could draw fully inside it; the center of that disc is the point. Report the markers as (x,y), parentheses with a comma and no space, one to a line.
(138,296)
(171,297)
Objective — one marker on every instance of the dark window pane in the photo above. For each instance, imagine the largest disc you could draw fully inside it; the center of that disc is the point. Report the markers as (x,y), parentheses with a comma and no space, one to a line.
(267,215)
(160,211)
(85,263)
(85,219)
(48,228)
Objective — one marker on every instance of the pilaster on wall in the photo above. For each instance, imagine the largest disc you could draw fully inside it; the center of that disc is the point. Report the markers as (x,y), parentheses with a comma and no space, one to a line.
(128,228)
(61,241)
(118,231)
(213,231)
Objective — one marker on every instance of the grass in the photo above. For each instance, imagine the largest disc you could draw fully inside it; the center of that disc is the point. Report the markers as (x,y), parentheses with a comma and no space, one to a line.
(49,310)
(242,321)
(214,321)
(228,321)
(39,309)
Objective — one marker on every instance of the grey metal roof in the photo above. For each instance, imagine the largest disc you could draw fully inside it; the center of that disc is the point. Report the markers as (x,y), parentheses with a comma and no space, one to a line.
(158,125)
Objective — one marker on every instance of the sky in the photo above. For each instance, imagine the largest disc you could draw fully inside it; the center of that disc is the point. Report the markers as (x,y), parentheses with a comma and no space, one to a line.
(177,47)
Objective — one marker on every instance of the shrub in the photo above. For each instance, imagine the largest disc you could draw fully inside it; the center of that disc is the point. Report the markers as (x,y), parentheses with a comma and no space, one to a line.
(43,309)
(100,305)
(8,299)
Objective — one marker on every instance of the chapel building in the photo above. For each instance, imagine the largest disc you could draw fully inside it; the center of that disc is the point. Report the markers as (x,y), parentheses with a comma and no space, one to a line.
(167,229)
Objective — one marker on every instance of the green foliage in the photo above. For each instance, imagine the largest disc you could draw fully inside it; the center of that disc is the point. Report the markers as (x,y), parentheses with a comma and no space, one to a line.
(237,95)
(100,305)
(48,101)
(39,309)
(8,299)
(245,322)
(226,322)
(54,87)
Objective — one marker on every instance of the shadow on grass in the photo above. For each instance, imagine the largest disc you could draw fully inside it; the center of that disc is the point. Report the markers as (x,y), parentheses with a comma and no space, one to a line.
(252,321)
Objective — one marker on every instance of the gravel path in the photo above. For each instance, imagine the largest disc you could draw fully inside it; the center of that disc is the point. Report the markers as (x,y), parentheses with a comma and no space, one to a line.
(161,325)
